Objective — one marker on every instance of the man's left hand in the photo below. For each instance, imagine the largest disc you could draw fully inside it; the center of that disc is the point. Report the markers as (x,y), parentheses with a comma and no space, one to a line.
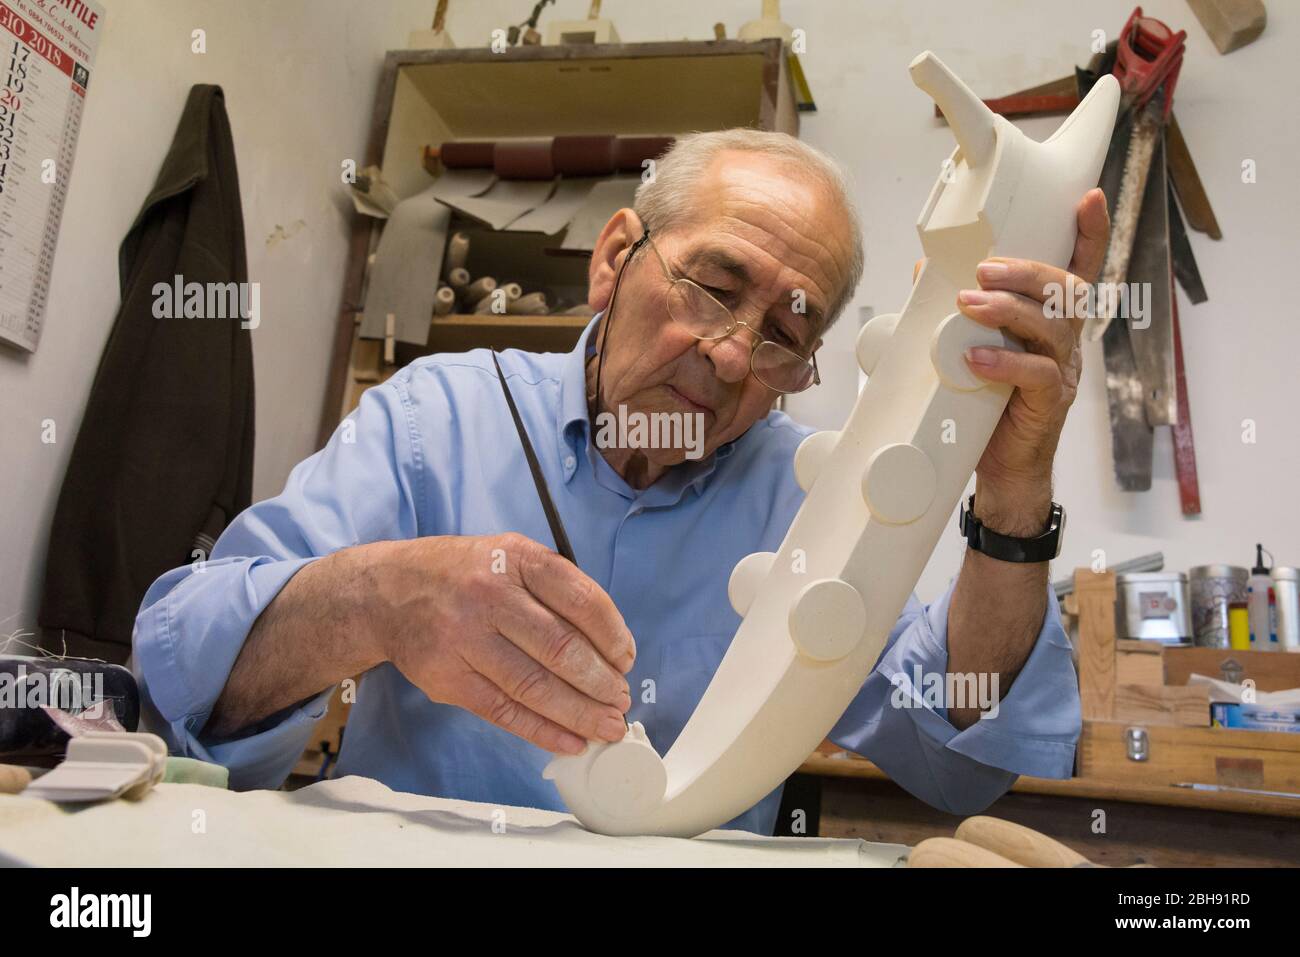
(1015,472)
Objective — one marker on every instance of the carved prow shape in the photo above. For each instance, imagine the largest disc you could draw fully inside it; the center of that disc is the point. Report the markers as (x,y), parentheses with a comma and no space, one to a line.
(880,492)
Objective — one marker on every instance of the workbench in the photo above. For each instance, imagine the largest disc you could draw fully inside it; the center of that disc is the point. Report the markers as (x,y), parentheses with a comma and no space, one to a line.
(358,822)
(1145,731)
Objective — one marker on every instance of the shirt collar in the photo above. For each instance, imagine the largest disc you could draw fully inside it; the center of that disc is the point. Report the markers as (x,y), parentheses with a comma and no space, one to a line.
(573,430)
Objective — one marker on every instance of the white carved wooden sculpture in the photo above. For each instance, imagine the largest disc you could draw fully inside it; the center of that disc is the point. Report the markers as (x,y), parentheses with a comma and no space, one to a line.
(880,492)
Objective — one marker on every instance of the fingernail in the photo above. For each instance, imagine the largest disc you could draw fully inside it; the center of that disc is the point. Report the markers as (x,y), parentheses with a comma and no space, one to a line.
(980,356)
(612,729)
(973,297)
(572,745)
(991,272)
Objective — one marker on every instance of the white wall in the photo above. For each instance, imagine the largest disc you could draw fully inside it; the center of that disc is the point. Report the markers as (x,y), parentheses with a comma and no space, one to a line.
(300,77)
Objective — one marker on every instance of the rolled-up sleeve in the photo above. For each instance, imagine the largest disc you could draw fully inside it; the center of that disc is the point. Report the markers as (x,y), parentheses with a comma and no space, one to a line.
(900,722)
(362,487)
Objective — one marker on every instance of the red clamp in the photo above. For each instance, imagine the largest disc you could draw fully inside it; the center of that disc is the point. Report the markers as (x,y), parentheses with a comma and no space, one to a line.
(1148,55)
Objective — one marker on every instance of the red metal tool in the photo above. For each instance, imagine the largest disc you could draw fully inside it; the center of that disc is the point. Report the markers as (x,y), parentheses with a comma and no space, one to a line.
(1149,54)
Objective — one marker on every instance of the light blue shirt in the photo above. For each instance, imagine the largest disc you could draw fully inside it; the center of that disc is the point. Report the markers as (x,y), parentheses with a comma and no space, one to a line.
(433,451)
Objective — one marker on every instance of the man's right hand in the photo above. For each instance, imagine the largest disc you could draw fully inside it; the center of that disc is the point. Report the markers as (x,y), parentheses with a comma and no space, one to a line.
(506,628)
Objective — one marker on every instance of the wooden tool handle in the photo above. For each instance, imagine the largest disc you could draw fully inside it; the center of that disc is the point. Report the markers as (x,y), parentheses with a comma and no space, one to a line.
(948,852)
(1018,843)
(13,778)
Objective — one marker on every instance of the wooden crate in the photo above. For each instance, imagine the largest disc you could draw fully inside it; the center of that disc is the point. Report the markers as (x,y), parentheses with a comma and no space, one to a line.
(1227,757)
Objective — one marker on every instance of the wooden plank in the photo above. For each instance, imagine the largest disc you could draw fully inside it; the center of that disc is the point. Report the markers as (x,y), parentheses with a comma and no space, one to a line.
(852,766)
(1159,704)
(1266,760)
(1269,670)
(1096,596)
(1160,835)
(1139,662)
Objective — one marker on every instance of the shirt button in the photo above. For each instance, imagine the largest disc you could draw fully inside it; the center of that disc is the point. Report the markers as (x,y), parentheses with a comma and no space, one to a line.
(570,462)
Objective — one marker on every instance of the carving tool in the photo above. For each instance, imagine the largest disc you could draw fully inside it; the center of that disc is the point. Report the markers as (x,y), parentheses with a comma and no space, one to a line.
(1018,843)
(949,852)
(1022,845)
(539,480)
(558,533)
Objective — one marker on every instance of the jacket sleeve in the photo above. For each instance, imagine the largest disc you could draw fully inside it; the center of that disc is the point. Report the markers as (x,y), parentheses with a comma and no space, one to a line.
(900,722)
(364,486)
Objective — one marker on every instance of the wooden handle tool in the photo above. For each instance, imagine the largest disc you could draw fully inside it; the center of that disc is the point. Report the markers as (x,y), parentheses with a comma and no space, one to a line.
(949,852)
(1018,843)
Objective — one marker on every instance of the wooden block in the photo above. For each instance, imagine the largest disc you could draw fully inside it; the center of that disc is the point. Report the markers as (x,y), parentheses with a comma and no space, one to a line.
(1096,591)
(1269,670)
(1270,760)
(1160,704)
(1230,23)
(1139,662)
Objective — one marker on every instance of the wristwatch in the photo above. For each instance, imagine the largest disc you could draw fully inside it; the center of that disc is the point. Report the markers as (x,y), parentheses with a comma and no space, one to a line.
(1007,548)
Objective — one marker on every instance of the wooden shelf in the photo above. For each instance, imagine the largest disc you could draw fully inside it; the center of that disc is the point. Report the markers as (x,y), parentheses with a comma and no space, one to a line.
(460,333)
(431,96)
(845,765)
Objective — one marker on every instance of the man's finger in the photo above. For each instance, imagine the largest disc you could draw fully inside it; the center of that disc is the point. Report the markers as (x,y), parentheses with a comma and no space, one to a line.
(541,691)
(562,587)
(1022,317)
(481,697)
(1037,377)
(1094,236)
(557,645)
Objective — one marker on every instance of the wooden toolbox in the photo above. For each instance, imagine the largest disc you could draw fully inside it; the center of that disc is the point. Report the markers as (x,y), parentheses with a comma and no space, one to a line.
(1143,725)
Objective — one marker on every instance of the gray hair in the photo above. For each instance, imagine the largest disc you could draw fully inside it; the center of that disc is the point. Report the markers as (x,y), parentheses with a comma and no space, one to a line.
(667,200)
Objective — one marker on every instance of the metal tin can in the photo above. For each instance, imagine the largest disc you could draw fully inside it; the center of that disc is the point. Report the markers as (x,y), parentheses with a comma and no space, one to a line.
(1286,594)
(1153,607)
(1213,588)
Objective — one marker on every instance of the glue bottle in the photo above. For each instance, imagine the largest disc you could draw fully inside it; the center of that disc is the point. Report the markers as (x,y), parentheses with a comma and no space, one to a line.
(1260,603)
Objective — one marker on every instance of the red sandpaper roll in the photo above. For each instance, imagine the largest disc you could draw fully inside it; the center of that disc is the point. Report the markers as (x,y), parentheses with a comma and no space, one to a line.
(524,159)
(631,151)
(466,154)
(584,155)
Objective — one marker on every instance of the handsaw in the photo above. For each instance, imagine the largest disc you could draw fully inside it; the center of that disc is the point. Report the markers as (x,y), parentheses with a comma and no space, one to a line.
(1148,271)
(1131,437)
(1148,58)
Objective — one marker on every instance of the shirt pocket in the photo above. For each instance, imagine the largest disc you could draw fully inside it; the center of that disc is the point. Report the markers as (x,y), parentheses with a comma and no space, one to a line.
(686,666)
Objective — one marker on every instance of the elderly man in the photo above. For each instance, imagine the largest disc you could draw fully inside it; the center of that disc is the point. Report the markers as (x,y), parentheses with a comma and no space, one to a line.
(412,549)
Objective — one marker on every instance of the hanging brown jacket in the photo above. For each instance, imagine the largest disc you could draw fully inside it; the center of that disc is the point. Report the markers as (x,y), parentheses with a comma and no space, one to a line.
(164,455)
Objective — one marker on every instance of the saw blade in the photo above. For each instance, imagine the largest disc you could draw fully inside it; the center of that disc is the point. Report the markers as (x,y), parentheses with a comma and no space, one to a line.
(1127,211)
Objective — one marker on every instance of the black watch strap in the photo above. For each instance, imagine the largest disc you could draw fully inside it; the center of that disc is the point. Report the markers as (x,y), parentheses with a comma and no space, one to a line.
(1007,548)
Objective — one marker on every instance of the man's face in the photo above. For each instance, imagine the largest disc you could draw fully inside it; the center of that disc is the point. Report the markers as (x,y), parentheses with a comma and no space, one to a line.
(767,243)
